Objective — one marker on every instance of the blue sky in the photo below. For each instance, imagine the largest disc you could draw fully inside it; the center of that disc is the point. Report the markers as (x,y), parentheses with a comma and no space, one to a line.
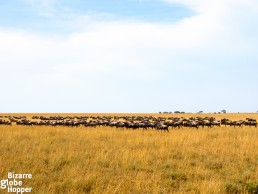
(54,16)
(138,9)
(128,56)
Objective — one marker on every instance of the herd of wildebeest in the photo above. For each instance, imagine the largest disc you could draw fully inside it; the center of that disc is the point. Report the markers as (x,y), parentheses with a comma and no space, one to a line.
(128,122)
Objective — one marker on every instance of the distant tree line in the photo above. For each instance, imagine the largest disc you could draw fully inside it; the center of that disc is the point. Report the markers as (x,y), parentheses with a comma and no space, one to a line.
(176,112)
(182,112)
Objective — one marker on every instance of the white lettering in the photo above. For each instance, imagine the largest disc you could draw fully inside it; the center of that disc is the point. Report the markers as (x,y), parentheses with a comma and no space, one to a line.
(3,183)
(12,175)
(18,190)
(10,189)
(27,190)
(14,183)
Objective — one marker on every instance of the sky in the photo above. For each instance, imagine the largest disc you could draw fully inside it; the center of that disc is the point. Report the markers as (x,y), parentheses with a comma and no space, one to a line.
(128,55)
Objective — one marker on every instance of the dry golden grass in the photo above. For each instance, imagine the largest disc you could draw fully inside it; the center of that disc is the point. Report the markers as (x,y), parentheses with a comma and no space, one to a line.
(110,160)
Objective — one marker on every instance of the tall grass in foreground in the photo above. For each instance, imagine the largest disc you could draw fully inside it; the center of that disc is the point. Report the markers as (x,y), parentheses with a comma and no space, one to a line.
(110,160)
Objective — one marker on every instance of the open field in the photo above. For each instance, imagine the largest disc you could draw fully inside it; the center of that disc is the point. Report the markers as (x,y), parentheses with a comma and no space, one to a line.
(109,160)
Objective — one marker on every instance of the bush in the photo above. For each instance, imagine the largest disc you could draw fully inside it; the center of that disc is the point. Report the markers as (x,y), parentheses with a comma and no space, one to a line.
(252,188)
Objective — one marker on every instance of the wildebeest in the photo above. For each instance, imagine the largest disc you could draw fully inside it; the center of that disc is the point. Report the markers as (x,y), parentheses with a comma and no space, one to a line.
(127,122)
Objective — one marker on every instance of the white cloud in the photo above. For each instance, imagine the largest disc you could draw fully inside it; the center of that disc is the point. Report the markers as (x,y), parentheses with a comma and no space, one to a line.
(45,8)
(152,62)
(44,3)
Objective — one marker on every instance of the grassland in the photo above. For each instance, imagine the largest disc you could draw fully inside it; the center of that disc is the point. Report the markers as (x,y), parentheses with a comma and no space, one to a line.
(110,160)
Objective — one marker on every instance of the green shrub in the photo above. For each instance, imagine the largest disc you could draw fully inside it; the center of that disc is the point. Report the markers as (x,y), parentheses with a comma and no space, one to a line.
(252,188)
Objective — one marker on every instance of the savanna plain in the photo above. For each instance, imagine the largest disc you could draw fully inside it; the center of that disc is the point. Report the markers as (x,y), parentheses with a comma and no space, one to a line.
(113,160)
